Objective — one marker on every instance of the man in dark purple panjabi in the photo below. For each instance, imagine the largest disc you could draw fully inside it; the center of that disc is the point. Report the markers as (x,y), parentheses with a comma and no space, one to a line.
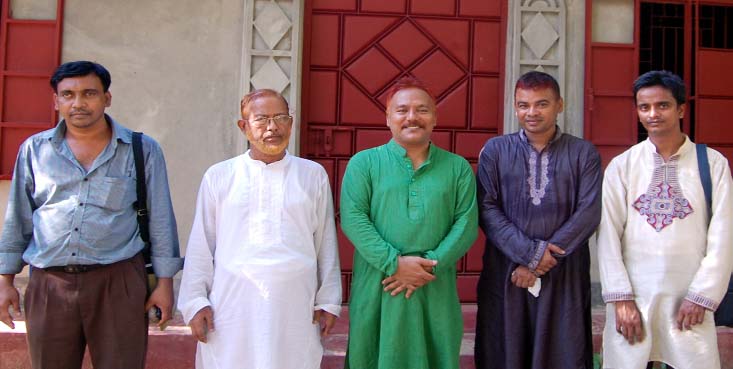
(539,199)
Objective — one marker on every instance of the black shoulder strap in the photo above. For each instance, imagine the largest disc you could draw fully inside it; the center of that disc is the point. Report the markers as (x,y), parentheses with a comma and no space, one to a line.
(707,183)
(141,205)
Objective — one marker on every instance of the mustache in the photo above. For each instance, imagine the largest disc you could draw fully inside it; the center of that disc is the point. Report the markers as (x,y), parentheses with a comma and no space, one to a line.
(78,111)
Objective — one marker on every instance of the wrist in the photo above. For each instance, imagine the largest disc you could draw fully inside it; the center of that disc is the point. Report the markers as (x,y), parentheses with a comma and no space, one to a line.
(7,279)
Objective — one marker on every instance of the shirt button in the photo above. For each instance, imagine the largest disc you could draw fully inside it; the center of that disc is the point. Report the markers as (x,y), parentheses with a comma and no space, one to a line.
(81,204)
(76,229)
(86,179)
(73,254)
(413,193)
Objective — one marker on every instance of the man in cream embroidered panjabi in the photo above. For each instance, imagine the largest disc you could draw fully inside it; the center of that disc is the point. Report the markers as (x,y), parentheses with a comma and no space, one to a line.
(539,202)
(665,262)
(262,267)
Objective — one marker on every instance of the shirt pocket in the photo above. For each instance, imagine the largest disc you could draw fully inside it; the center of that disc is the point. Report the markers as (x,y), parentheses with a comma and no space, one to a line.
(113,193)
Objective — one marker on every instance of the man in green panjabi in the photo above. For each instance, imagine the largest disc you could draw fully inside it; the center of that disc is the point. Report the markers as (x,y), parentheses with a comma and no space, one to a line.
(410,210)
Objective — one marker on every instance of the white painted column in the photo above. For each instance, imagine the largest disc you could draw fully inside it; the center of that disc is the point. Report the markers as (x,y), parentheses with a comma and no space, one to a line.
(271,53)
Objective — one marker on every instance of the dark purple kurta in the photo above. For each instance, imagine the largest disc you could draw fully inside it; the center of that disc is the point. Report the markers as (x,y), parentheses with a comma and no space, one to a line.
(521,209)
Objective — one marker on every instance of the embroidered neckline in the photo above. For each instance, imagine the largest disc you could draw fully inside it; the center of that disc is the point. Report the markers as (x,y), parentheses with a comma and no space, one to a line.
(663,200)
(538,192)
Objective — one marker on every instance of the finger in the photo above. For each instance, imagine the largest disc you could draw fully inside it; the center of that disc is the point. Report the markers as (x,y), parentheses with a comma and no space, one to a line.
(428,262)
(7,319)
(687,323)
(701,317)
(392,286)
(316,316)
(164,318)
(330,320)
(427,276)
(209,322)
(149,304)
(198,331)
(409,292)
(680,318)
(638,331)
(556,249)
(388,280)
(15,301)
(397,290)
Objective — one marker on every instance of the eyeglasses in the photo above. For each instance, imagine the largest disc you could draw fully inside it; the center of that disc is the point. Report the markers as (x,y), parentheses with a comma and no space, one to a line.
(263,122)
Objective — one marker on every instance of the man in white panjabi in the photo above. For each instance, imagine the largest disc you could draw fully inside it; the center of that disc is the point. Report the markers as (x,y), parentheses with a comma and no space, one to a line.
(665,260)
(261,281)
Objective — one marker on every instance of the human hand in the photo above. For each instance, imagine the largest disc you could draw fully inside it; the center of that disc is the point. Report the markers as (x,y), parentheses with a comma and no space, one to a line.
(162,297)
(396,287)
(202,323)
(689,314)
(412,272)
(9,298)
(628,321)
(523,277)
(548,261)
(325,319)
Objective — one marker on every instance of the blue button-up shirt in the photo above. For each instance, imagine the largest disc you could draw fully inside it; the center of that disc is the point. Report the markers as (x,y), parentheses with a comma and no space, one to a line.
(59,213)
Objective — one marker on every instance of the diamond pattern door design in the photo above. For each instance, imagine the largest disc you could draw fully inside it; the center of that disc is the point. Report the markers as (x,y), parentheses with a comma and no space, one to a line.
(354,50)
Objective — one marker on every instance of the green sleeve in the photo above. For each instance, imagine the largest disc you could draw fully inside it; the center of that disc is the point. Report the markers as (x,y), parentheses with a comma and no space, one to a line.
(357,220)
(465,222)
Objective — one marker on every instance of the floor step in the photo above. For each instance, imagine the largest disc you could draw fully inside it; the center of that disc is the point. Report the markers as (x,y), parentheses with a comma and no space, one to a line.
(174,348)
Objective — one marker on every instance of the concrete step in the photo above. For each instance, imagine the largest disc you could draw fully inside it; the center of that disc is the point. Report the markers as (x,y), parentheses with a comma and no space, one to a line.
(174,348)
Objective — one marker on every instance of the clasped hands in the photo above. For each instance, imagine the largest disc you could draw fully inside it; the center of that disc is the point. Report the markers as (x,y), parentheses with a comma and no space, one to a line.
(523,277)
(412,273)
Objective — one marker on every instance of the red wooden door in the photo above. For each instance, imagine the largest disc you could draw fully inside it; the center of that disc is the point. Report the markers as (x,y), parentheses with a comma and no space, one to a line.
(29,53)
(610,70)
(354,50)
(712,95)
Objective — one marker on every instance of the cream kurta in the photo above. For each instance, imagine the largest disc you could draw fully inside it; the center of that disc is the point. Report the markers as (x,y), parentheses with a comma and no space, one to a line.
(263,254)
(660,259)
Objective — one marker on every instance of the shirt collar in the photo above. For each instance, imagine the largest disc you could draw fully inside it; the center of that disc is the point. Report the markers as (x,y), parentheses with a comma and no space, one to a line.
(400,151)
(686,147)
(119,132)
(261,164)
(558,133)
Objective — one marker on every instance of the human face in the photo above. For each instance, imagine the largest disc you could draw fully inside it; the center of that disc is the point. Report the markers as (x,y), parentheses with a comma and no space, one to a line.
(411,117)
(537,110)
(81,101)
(658,111)
(268,142)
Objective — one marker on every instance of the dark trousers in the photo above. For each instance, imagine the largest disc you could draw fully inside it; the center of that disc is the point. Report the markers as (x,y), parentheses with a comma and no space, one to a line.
(103,308)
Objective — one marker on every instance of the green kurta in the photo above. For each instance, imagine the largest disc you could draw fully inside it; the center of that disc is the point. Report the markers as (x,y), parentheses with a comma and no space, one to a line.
(387,210)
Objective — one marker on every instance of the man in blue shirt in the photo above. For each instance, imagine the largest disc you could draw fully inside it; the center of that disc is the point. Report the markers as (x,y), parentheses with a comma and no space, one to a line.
(70,216)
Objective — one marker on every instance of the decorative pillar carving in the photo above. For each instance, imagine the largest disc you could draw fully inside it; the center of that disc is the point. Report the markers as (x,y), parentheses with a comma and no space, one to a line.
(271,53)
(536,41)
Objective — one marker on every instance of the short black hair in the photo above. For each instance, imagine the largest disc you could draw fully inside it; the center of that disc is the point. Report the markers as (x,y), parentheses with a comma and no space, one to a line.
(667,80)
(79,69)
(535,80)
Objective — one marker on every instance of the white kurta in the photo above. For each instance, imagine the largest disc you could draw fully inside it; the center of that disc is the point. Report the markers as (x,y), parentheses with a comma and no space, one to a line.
(659,250)
(263,254)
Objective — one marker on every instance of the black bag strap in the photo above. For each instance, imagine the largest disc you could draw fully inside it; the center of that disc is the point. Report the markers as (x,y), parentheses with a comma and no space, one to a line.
(704,167)
(141,205)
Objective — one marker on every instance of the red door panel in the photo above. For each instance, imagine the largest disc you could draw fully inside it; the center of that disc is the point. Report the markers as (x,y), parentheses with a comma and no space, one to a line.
(712,97)
(353,53)
(610,70)
(29,53)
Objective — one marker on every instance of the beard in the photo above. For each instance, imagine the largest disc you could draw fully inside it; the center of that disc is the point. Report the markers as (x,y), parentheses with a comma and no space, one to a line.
(268,148)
